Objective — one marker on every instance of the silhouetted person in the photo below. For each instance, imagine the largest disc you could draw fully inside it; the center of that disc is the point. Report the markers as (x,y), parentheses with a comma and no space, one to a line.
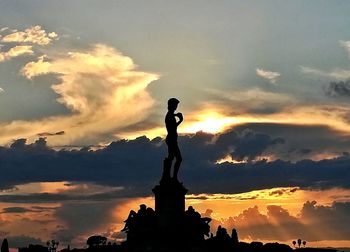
(171,139)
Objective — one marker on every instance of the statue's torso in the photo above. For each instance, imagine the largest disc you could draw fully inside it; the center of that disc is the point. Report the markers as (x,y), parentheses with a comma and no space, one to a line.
(171,126)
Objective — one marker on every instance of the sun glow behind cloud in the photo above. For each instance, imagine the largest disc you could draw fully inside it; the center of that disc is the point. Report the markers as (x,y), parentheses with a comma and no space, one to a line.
(210,122)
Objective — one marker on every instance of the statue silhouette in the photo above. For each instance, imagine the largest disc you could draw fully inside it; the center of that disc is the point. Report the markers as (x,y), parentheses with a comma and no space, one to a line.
(171,140)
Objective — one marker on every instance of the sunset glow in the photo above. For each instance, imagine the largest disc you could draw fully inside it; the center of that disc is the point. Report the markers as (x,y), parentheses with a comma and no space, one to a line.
(259,128)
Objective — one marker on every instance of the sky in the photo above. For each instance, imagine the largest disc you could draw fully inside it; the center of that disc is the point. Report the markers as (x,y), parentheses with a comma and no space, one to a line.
(264,87)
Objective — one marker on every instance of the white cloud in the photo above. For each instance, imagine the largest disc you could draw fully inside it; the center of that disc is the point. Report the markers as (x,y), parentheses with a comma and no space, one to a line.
(268,75)
(338,74)
(2,90)
(33,35)
(4,29)
(101,87)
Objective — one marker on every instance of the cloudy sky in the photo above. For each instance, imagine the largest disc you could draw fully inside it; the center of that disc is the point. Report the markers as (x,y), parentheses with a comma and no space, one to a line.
(264,89)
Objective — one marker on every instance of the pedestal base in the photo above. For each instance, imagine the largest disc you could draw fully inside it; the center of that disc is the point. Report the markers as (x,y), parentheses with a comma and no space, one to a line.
(170,209)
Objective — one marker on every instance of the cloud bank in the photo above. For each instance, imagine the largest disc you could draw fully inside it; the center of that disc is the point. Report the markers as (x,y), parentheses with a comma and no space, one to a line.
(135,164)
(313,223)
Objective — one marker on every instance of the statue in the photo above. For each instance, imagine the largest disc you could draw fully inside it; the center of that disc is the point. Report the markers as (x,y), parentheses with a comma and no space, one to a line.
(171,140)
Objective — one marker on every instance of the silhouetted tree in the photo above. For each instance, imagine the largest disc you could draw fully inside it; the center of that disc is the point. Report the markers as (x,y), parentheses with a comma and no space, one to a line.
(304,243)
(96,240)
(294,243)
(234,237)
(299,242)
(5,246)
(34,248)
(52,245)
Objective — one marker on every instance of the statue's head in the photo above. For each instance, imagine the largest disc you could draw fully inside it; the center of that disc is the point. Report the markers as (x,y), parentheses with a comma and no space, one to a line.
(172,104)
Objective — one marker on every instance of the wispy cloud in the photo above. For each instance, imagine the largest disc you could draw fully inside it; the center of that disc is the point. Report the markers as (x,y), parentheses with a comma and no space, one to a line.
(338,74)
(268,75)
(32,35)
(4,29)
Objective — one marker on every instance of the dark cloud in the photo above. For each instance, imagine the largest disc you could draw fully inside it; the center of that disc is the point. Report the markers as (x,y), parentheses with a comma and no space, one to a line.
(41,208)
(43,134)
(61,197)
(3,233)
(15,210)
(313,223)
(136,164)
(23,241)
(36,209)
(282,191)
(340,88)
(301,141)
(248,144)
(83,218)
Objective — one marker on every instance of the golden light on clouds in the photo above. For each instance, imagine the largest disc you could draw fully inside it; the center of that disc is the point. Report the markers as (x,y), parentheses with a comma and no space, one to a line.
(101,87)
(208,121)
(15,52)
(33,35)
(39,67)
(63,187)
(290,198)
(22,219)
(213,120)
(229,159)
(281,203)
(24,41)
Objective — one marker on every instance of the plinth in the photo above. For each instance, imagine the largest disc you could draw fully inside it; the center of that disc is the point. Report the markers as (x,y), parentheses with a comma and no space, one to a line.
(170,209)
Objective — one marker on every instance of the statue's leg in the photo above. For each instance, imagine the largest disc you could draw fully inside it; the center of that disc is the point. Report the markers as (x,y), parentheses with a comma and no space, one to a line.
(177,162)
(167,163)
(166,169)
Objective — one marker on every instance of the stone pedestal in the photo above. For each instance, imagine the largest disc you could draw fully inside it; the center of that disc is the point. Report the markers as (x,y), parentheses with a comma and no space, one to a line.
(170,209)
